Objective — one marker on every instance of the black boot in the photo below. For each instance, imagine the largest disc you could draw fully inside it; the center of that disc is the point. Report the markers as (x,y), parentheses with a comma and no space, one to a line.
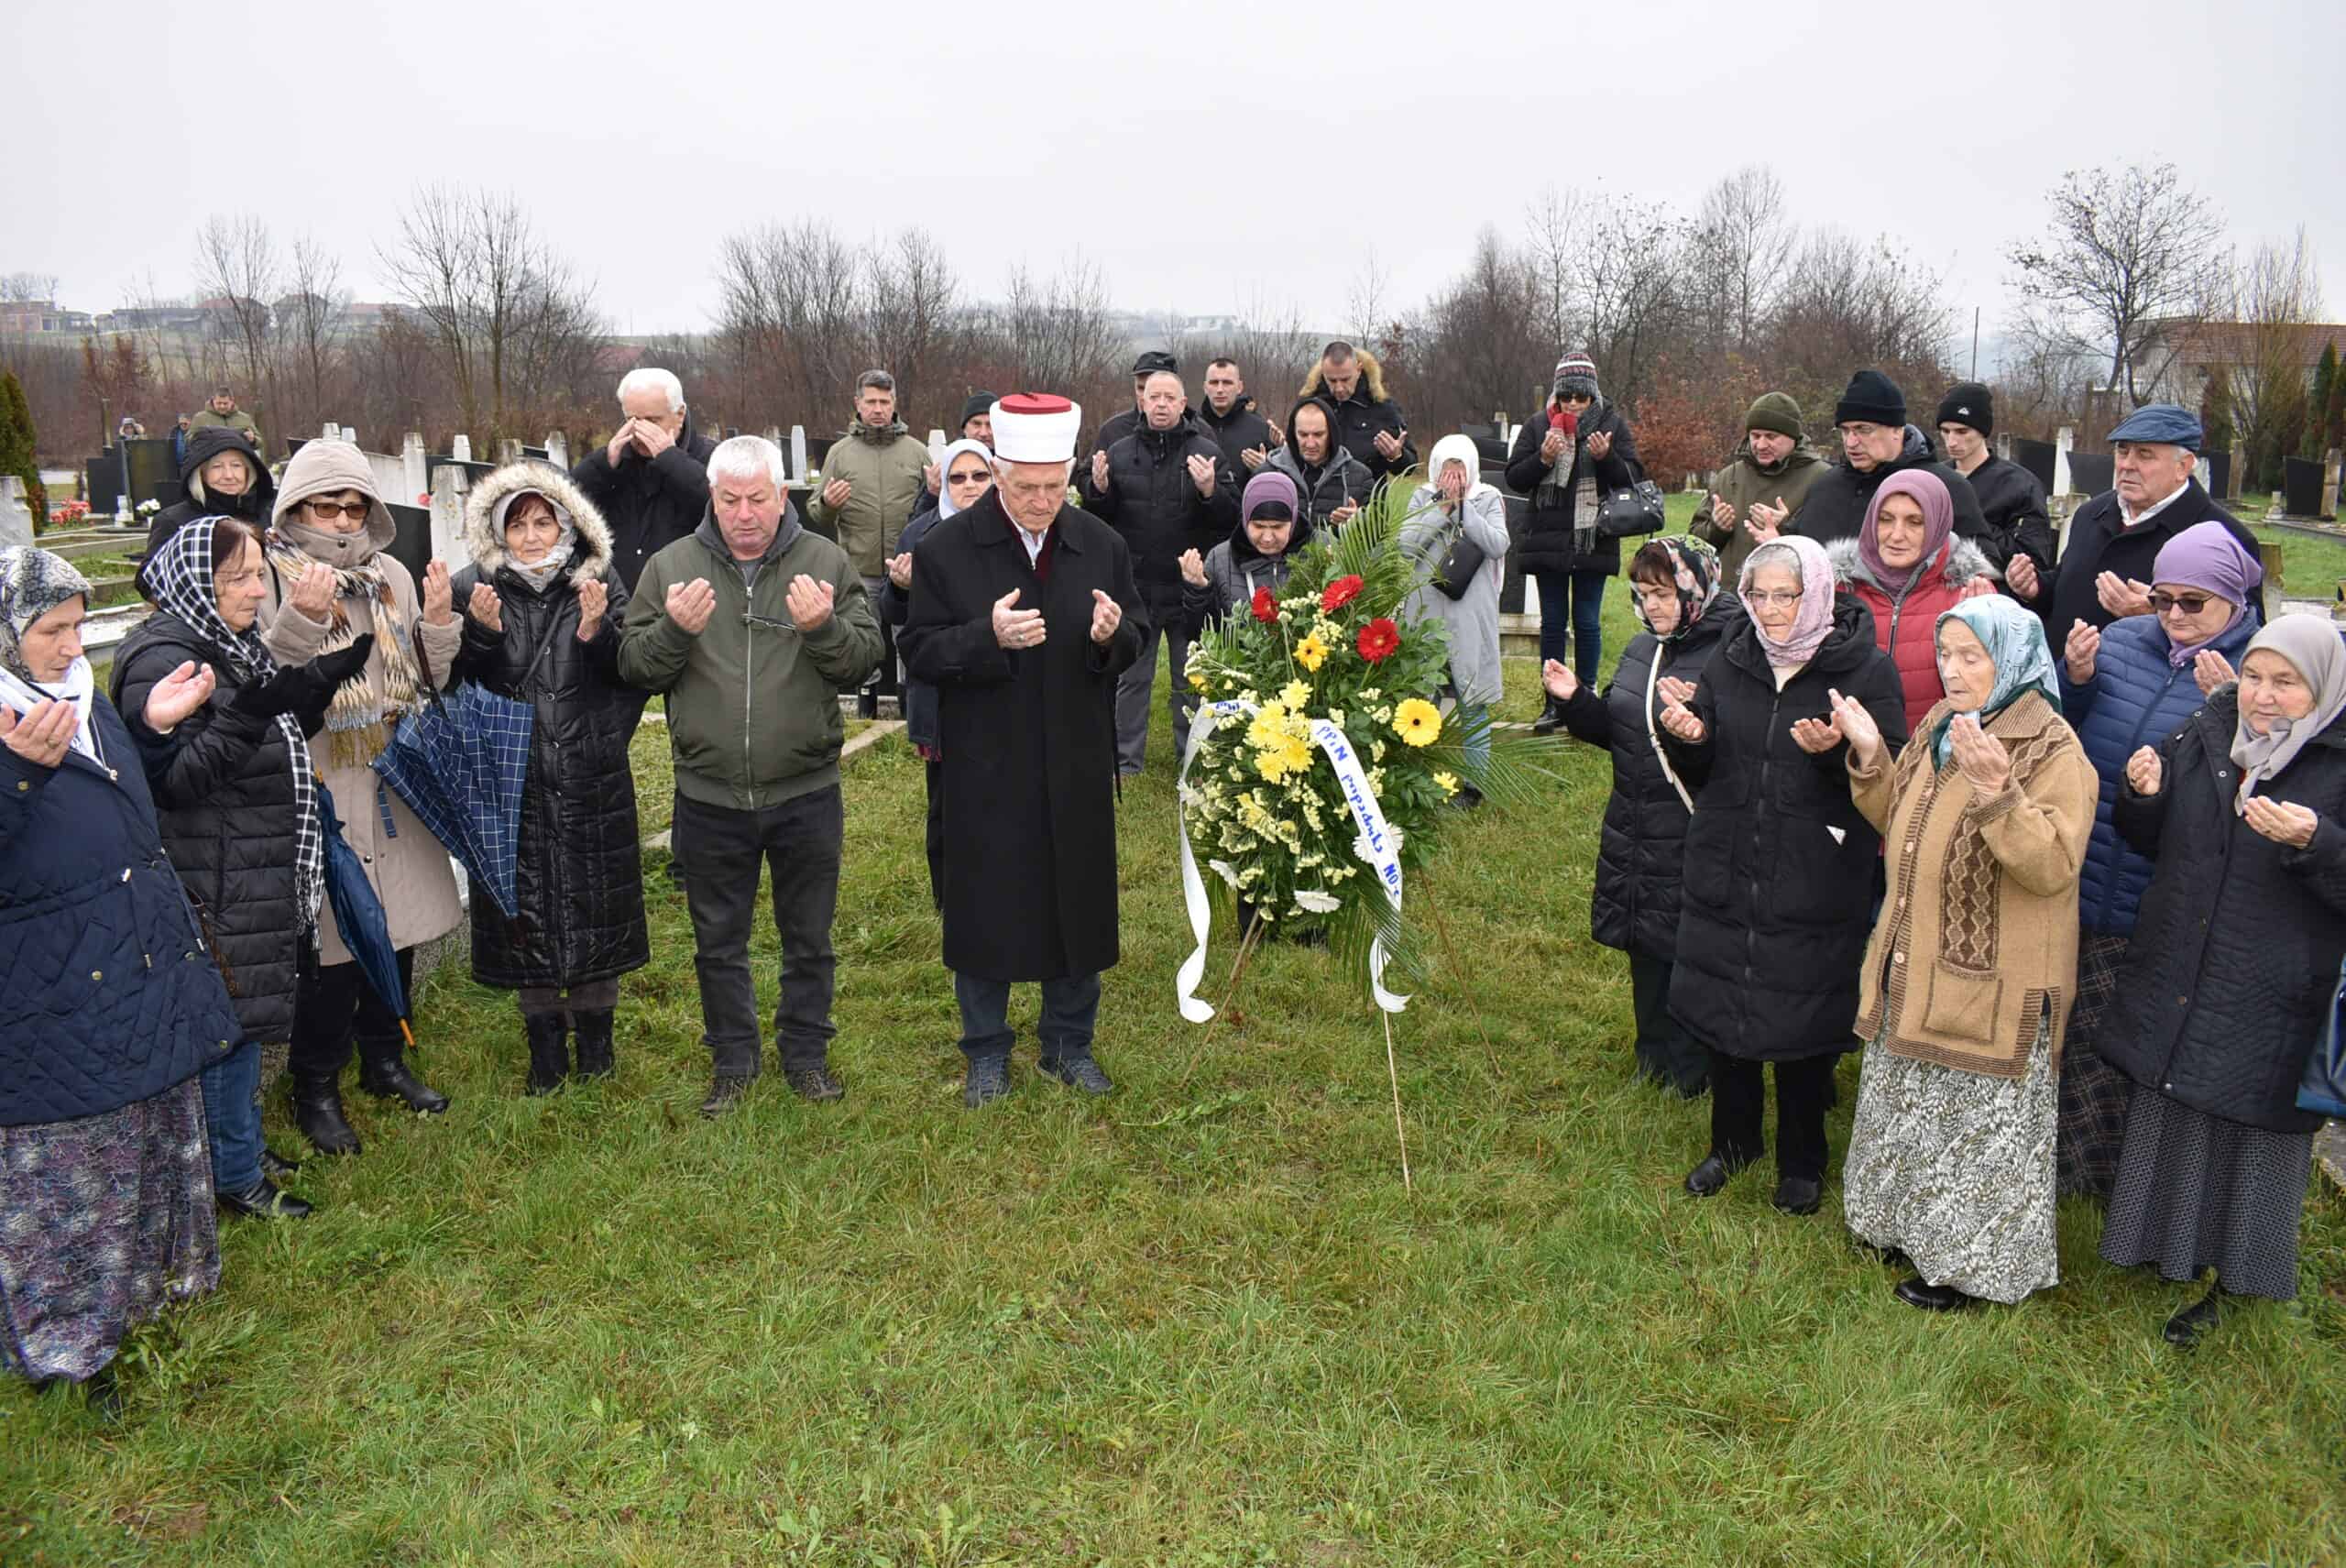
(2185,1329)
(1551,720)
(549,1052)
(317,1111)
(594,1030)
(382,1072)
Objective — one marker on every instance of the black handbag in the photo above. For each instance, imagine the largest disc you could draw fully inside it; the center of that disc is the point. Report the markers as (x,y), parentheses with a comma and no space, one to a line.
(1637,510)
(1459,564)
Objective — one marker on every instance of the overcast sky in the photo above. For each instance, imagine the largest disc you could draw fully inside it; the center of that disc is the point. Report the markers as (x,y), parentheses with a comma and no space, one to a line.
(1202,154)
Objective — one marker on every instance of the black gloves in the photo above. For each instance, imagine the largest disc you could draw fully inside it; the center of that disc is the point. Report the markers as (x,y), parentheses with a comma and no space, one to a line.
(333,669)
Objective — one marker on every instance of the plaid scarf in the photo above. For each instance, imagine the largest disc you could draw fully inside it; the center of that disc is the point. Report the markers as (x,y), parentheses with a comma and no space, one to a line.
(367,708)
(181,574)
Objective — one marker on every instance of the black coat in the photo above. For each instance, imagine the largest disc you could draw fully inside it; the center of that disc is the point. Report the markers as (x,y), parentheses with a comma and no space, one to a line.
(649,502)
(2236,948)
(578,874)
(1029,740)
(1242,430)
(1545,544)
(1361,419)
(222,784)
(252,508)
(896,604)
(1835,507)
(2012,506)
(1152,501)
(108,997)
(1114,428)
(2096,545)
(1779,865)
(1640,854)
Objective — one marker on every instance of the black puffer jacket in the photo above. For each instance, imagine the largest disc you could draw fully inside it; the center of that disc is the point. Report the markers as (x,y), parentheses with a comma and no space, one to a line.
(1368,413)
(1234,569)
(1154,503)
(222,784)
(1641,855)
(648,503)
(2236,947)
(579,878)
(1835,507)
(1545,541)
(1779,865)
(1240,431)
(253,507)
(2012,505)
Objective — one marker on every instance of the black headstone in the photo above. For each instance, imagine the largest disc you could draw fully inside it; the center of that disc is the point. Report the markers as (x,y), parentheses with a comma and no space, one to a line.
(412,544)
(2089,472)
(2301,487)
(102,481)
(2036,457)
(2216,473)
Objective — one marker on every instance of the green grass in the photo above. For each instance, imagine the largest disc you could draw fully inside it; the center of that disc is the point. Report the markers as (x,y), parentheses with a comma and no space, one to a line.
(1199,1323)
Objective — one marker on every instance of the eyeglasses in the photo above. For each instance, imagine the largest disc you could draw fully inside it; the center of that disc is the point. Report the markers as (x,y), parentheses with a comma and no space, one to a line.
(977,478)
(1772,595)
(325,512)
(2190,604)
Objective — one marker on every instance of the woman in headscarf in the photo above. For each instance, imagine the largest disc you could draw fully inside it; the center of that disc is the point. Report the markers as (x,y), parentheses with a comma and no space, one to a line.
(335,581)
(542,610)
(966,473)
(2243,810)
(1566,461)
(1779,862)
(109,1006)
(1907,567)
(1969,976)
(238,801)
(222,475)
(1675,588)
(2127,685)
(1454,508)
(1259,554)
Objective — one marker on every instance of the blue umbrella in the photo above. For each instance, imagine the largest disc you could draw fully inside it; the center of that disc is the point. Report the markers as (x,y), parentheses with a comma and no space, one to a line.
(460,763)
(359,914)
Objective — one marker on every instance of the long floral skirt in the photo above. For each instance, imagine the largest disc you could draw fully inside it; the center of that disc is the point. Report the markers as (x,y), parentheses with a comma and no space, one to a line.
(102,1220)
(1954,1170)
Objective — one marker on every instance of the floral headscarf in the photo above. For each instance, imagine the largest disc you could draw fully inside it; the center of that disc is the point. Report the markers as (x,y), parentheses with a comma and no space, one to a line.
(32,583)
(1696,568)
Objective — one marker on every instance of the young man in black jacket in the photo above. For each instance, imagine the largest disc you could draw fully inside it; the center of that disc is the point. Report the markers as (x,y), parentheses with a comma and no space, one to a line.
(2012,503)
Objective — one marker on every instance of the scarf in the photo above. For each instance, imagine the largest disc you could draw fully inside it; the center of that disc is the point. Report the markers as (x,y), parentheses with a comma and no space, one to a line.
(541,572)
(1696,566)
(1815,622)
(1558,493)
(367,708)
(1929,491)
(945,507)
(2208,558)
(32,583)
(182,576)
(2014,639)
(2312,645)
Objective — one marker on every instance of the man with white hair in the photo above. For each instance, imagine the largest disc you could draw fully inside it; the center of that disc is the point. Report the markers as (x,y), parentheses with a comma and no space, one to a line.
(1022,614)
(651,480)
(752,625)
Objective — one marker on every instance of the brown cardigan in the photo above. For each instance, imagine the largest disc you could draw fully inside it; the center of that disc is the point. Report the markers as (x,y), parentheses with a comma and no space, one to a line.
(1978,931)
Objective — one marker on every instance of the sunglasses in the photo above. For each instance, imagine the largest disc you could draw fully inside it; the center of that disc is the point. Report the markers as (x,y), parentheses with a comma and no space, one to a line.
(977,478)
(325,512)
(2190,604)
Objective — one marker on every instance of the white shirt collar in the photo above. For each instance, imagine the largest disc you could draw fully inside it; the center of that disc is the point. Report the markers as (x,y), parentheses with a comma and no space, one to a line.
(1034,543)
(2127,521)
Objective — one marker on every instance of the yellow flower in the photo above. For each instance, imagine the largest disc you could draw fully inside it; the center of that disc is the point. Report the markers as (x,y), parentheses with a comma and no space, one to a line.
(1416,721)
(1311,653)
(1197,680)
(1294,693)
(1268,727)
(1449,783)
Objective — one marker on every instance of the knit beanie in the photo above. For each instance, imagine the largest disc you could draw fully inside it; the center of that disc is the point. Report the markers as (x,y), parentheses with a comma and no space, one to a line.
(979,403)
(1776,411)
(1970,403)
(1575,376)
(1873,398)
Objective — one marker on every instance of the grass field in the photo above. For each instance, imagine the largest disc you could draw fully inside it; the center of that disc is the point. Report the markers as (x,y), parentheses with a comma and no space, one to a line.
(1197,1323)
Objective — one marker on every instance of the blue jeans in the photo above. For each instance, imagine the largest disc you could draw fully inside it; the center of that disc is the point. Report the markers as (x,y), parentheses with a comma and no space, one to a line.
(232,1117)
(1583,634)
(1070,1008)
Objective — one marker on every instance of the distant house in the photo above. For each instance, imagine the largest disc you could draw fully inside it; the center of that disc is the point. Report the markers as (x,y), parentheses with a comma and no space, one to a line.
(2202,350)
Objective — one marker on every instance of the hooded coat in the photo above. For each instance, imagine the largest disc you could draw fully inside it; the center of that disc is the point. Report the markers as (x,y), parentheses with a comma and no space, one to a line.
(886,473)
(1546,542)
(578,874)
(1779,860)
(1907,629)
(1835,505)
(1470,620)
(1745,480)
(1362,417)
(1342,480)
(253,507)
(648,503)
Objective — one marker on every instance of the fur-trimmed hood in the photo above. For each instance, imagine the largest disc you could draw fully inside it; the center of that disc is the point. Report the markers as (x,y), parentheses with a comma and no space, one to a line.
(485,507)
(1964,562)
(1372,379)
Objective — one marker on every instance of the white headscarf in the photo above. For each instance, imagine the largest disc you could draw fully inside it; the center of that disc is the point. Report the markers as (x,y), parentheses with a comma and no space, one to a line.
(945,507)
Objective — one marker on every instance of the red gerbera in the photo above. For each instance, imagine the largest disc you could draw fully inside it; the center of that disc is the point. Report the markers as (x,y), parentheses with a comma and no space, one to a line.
(1338,594)
(1266,608)
(1377,639)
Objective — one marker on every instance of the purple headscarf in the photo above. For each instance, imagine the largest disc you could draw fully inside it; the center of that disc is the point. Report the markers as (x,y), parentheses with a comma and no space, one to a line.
(1815,620)
(1267,485)
(1938,524)
(2207,556)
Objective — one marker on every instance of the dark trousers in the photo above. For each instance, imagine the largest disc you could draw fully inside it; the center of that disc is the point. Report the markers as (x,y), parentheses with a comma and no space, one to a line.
(721,851)
(1739,1098)
(1070,1009)
(333,1005)
(935,777)
(1583,632)
(882,681)
(1666,1052)
(1134,687)
(232,1117)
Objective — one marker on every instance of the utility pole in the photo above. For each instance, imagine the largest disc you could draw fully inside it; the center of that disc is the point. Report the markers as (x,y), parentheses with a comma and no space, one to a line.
(1975,343)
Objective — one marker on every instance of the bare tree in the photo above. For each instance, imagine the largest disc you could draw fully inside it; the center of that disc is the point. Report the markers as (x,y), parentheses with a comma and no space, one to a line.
(1846,304)
(1367,303)
(1480,355)
(29,288)
(2275,297)
(912,292)
(793,314)
(308,328)
(1633,267)
(238,270)
(1556,228)
(2126,257)
(1738,254)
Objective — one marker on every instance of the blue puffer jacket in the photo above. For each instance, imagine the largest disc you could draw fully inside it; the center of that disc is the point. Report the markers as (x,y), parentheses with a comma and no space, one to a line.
(2136,698)
(108,997)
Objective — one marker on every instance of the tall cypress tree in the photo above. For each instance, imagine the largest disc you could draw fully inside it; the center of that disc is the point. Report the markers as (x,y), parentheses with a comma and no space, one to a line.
(18,442)
(2318,437)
